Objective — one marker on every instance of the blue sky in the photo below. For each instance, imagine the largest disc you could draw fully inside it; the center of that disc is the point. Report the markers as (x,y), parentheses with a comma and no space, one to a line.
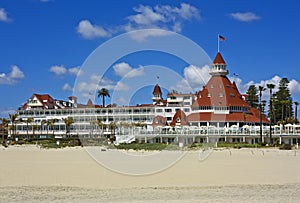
(45,43)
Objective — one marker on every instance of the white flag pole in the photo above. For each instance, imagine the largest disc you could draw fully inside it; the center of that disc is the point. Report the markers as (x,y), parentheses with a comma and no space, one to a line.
(218,43)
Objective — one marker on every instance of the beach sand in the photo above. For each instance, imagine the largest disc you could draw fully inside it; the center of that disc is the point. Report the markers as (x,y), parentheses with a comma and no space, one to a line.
(31,174)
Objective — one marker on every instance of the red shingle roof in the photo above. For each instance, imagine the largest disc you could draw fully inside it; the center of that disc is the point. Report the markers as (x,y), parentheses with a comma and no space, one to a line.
(157,90)
(89,103)
(250,117)
(219,91)
(159,121)
(179,118)
(219,59)
(44,97)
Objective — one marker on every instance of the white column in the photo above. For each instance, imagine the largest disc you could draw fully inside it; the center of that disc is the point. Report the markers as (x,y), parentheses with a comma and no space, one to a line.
(280,140)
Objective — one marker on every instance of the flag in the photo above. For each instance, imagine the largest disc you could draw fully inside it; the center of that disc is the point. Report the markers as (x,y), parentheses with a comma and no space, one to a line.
(221,38)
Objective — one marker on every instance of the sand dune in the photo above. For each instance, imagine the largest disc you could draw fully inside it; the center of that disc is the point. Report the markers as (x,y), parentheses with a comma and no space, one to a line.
(28,173)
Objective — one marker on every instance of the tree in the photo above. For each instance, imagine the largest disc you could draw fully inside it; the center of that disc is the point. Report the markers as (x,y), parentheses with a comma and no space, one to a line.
(52,122)
(43,122)
(14,120)
(271,87)
(283,102)
(4,125)
(260,89)
(103,92)
(27,121)
(68,122)
(296,111)
(34,128)
(252,96)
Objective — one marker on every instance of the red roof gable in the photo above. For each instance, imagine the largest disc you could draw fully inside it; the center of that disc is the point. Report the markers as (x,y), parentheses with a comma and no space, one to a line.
(159,121)
(44,97)
(179,118)
(219,91)
(250,117)
(219,59)
(89,103)
(157,90)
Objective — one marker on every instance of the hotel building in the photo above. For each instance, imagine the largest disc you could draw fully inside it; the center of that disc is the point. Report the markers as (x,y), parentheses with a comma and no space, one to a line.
(218,112)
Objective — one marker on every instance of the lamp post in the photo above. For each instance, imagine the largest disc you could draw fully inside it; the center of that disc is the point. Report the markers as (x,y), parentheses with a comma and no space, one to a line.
(271,86)
(260,89)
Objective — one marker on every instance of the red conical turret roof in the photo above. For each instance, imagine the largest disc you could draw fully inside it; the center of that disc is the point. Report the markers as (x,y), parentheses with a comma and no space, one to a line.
(157,90)
(219,59)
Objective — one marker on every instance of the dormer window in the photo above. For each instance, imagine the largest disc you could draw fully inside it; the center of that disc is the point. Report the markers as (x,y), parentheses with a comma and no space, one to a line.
(178,120)
(208,95)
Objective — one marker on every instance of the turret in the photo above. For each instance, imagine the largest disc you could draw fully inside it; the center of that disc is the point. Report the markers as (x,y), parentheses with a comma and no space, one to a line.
(218,66)
(157,95)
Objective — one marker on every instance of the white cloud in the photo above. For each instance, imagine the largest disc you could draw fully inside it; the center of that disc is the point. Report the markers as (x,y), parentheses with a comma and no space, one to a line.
(67,87)
(58,70)
(244,17)
(16,73)
(153,32)
(121,87)
(75,71)
(125,70)
(146,17)
(194,78)
(185,11)
(89,31)
(62,70)
(294,86)
(3,15)
(11,77)
(164,17)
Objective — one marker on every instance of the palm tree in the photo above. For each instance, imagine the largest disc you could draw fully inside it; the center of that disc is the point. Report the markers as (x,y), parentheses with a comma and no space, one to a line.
(4,125)
(13,119)
(103,93)
(260,89)
(271,87)
(296,109)
(29,120)
(68,122)
(43,122)
(113,126)
(34,128)
(48,123)
(52,122)
(100,124)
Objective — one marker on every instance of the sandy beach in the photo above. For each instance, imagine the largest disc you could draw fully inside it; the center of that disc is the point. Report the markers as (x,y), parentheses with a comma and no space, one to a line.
(31,174)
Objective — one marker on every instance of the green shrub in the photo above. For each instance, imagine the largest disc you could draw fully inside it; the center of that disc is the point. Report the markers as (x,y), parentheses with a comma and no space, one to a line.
(142,146)
(285,147)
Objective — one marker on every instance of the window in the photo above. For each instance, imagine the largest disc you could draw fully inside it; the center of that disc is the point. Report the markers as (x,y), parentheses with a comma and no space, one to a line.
(158,110)
(212,86)
(221,94)
(186,110)
(186,97)
(168,110)
(208,95)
